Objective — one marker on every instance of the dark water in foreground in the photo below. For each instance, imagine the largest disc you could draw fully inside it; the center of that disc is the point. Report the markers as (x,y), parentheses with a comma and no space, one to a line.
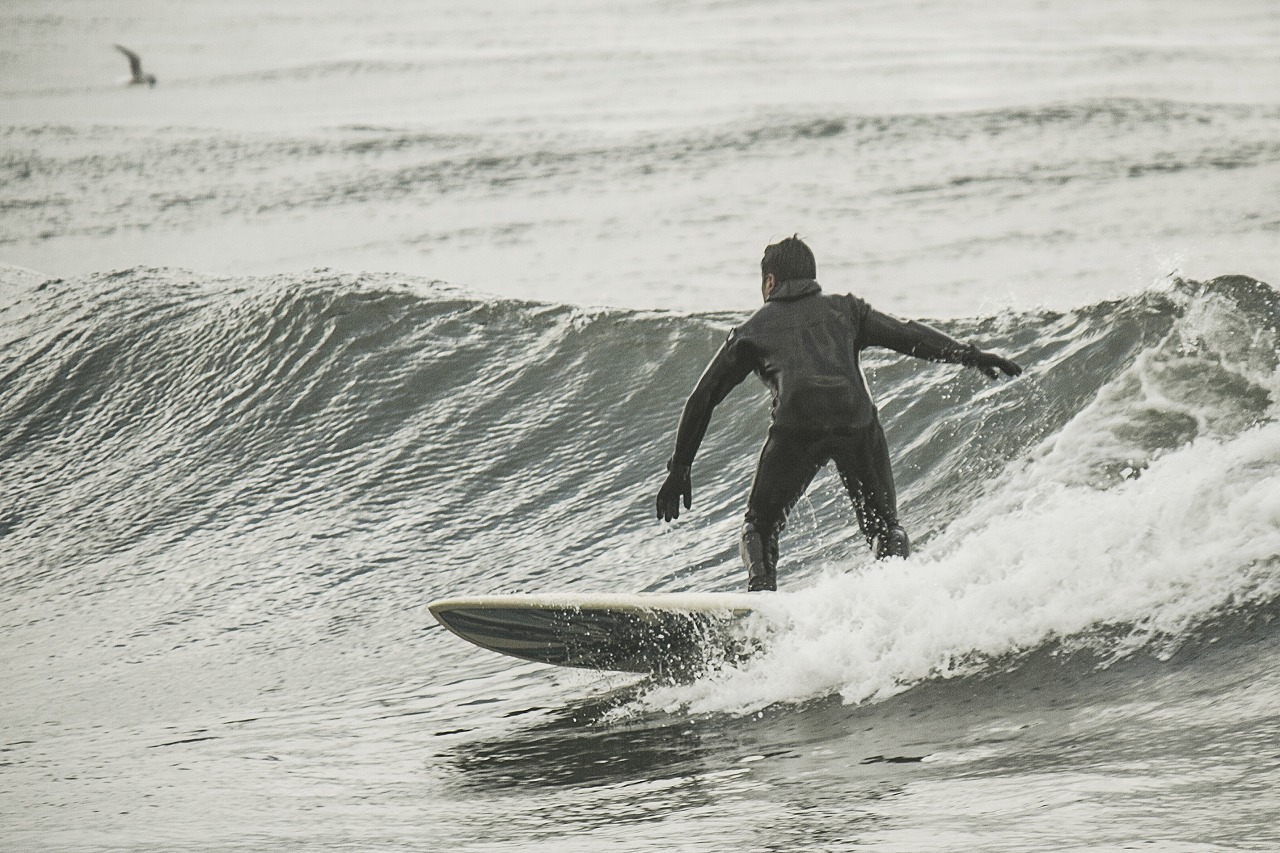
(228,500)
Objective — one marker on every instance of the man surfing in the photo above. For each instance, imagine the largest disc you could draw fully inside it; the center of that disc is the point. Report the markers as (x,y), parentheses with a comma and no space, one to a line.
(804,345)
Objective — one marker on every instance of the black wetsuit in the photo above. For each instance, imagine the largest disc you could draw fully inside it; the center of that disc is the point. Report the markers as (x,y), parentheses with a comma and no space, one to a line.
(805,344)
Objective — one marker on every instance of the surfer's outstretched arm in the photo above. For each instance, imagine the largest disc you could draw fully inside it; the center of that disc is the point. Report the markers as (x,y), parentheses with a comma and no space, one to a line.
(910,337)
(729,367)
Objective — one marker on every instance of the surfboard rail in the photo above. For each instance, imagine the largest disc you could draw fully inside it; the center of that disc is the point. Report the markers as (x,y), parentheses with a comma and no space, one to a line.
(639,632)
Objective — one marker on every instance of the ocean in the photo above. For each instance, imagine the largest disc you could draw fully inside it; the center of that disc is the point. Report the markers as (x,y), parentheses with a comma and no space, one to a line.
(364,305)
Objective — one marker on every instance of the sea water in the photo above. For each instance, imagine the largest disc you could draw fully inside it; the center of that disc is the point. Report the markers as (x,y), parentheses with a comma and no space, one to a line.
(369,304)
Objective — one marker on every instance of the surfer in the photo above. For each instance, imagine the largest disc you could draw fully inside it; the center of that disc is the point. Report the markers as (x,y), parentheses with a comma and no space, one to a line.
(135,68)
(804,344)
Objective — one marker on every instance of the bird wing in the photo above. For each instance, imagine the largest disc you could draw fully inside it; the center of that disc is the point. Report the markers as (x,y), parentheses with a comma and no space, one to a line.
(135,61)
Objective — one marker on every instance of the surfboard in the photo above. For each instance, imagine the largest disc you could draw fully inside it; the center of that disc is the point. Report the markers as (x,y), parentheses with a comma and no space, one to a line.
(642,632)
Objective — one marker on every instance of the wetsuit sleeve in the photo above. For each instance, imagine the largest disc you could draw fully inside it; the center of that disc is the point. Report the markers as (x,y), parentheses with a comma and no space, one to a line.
(729,367)
(916,339)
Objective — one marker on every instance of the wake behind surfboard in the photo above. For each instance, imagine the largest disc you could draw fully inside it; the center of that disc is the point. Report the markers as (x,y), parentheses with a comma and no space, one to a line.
(644,632)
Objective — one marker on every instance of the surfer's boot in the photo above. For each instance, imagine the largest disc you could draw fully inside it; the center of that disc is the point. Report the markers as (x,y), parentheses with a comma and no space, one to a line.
(893,544)
(760,554)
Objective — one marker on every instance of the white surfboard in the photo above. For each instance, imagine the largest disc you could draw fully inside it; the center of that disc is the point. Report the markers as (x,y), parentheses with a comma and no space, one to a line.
(642,632)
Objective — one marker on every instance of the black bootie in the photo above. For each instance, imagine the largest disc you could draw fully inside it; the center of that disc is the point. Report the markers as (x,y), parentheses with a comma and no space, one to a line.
(893,544)
(761,558)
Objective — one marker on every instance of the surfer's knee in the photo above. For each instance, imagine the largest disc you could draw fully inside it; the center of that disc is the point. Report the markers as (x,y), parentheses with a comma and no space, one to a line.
(759,551)
(892,542)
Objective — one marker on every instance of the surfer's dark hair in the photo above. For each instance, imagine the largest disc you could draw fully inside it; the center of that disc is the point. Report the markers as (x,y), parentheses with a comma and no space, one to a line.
(788,259)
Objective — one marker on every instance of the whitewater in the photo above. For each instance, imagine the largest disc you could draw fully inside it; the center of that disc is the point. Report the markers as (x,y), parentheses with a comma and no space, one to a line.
(363,306)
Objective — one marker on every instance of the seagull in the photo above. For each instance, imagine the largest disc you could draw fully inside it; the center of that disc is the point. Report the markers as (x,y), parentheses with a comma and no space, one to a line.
(135,66)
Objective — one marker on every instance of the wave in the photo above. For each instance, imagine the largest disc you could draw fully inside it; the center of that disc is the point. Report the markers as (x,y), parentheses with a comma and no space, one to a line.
(402,437)
(194,176)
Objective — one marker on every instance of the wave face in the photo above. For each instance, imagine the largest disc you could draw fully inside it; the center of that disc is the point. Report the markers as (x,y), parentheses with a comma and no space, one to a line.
(260,443)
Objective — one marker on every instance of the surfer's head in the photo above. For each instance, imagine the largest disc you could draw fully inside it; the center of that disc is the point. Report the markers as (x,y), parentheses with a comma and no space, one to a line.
(786,260)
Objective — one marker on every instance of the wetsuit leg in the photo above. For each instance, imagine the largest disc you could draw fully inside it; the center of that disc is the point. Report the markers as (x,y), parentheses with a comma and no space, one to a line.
(863,463)
(788,462)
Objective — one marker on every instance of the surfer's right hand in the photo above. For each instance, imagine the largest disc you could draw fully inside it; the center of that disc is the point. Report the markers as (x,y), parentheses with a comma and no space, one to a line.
(989,363)
(677,485)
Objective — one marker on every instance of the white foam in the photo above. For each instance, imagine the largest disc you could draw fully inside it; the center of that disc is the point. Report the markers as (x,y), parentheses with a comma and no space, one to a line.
(1157,555)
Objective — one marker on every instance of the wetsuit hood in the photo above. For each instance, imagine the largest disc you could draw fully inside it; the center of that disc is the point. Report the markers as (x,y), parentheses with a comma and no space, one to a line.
(796,288)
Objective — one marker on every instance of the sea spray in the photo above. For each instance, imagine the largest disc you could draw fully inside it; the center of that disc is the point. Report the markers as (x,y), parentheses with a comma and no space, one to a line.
(1150,560)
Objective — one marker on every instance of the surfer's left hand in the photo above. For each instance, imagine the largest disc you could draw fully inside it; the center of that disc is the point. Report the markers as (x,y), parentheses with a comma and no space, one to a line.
(677,485)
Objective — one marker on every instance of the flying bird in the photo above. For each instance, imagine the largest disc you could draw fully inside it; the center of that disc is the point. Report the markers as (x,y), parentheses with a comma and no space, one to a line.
(135,67)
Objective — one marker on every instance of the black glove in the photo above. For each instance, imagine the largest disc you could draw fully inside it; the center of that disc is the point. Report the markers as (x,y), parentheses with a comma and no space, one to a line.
(989,363)
(676,485)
